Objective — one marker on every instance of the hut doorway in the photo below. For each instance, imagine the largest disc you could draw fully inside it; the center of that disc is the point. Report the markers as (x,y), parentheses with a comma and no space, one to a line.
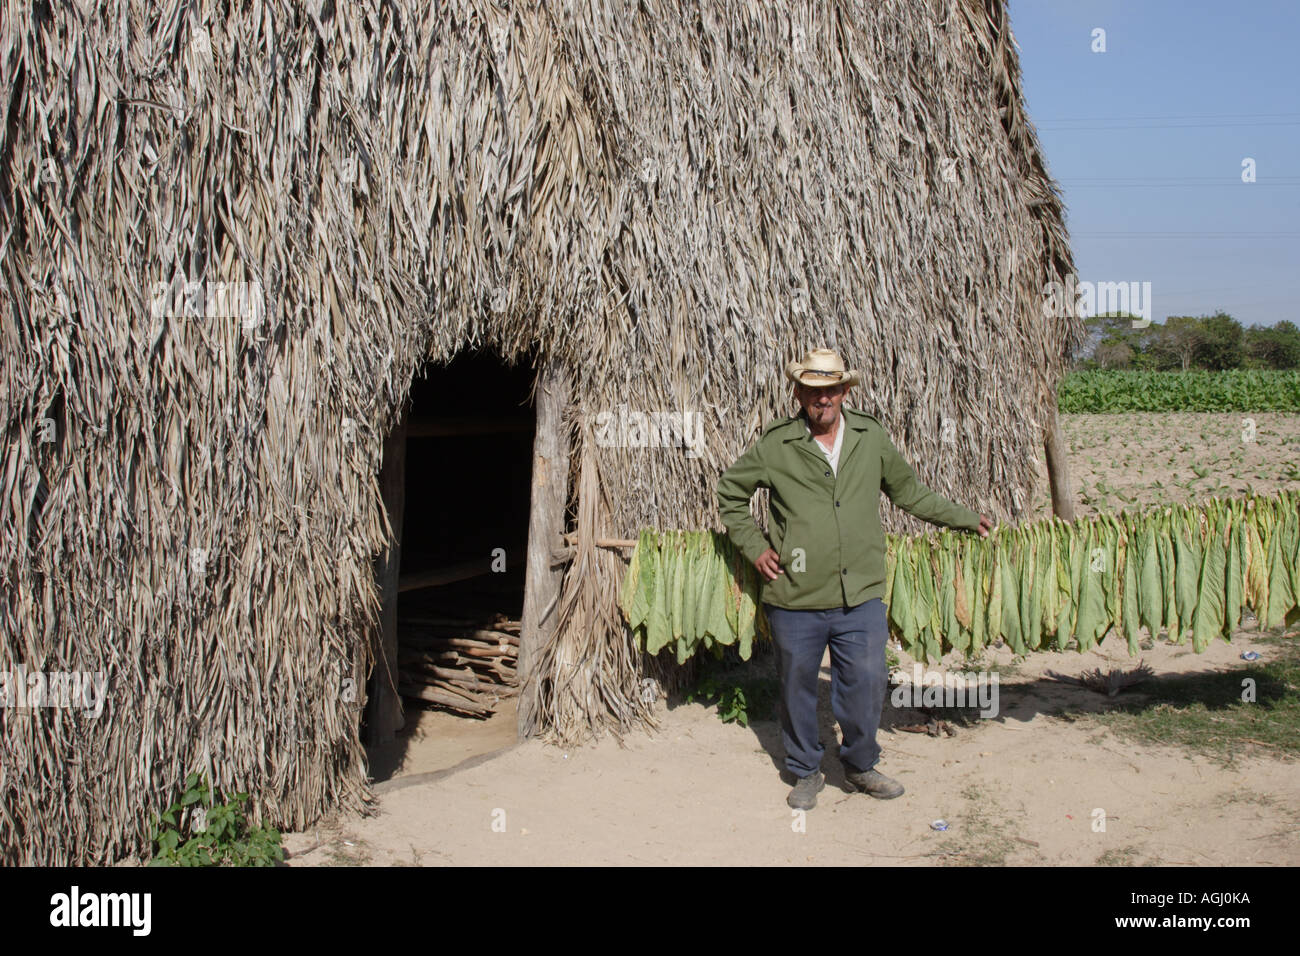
(457,471)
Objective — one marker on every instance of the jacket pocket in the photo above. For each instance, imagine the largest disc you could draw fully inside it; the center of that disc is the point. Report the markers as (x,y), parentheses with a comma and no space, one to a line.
(799,544)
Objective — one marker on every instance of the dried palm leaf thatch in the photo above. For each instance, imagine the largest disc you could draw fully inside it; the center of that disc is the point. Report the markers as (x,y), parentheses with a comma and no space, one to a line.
(796,196)
(589,675)
(674,199)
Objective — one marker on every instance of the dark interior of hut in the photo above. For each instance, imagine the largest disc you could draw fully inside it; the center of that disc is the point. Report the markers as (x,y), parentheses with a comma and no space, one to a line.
(467,480)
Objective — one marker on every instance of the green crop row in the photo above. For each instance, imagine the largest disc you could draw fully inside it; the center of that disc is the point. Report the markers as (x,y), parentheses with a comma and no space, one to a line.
(1236,390)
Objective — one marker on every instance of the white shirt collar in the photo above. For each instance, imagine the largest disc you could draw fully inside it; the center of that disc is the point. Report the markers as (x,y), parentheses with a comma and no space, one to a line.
(832,454)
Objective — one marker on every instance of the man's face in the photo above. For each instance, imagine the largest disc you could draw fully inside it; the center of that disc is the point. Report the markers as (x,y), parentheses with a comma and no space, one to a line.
(821,405)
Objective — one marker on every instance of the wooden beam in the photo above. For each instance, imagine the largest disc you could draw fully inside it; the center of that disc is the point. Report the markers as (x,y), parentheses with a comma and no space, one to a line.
(572,539)
(1058,468)
(435,577)
(565,554)
(384,717)
(444,427)
(546,518)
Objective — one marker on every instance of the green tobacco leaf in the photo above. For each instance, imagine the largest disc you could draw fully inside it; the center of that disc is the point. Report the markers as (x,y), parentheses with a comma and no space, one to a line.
(1010,581)
(1048,570)
(1150,592)
(748,625)
(901,602)
(1169,577)
(1111,583)
(923,595)
(1280,597)
(932,631)
(1031,602)
(993,627)
(1187,552)
(1234,573)
(1074,539)
(704,582)
(965,578)
(1256,565)
(677,582)
(951,628)
(737,566)
(1129,604)
(1207,618)
(979,561)
(1092,618)
(723,590)
(641,575)
(658,630)
(1290,548)
(631,578)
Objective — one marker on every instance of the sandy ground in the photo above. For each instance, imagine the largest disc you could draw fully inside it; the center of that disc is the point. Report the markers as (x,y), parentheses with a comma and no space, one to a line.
(435,741)
(1023,787)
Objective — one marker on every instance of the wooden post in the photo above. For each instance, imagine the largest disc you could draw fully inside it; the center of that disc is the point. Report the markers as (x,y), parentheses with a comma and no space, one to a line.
(1058,468)
(384,718)
(550,492)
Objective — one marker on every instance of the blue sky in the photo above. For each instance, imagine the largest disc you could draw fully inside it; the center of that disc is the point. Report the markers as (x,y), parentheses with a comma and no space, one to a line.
(1147,141)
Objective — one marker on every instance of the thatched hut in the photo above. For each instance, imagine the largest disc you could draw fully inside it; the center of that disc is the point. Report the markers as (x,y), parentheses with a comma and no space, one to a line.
(641,206)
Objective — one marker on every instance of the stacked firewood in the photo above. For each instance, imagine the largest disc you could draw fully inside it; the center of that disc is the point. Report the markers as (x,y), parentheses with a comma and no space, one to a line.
(461,664)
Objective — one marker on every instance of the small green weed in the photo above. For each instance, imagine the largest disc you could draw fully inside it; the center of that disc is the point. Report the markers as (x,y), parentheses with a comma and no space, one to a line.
(196,831)
(738,701)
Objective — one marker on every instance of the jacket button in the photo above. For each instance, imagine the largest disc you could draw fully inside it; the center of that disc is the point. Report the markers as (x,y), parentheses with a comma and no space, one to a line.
(844,570)
(837,504)
(828,474)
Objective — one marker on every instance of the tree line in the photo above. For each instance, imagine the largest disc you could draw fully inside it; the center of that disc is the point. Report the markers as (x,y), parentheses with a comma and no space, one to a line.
(1183,342)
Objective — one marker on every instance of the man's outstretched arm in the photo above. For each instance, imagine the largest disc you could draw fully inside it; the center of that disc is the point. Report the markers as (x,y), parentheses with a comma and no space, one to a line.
(899,481)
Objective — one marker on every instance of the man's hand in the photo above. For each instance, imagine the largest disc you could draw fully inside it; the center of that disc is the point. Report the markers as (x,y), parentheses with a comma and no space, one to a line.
(769,565)
(985,527)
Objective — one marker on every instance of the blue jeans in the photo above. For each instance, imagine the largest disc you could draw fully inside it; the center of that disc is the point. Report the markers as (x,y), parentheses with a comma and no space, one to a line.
(859,681)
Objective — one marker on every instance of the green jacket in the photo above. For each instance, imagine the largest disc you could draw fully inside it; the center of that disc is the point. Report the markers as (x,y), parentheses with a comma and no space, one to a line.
(826,526)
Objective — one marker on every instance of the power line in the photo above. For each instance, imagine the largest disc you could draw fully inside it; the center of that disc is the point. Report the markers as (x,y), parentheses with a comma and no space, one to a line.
(1186,235)
(1170,116)
(1072,185)
(1228,288)
(1167,179)
(1083,129)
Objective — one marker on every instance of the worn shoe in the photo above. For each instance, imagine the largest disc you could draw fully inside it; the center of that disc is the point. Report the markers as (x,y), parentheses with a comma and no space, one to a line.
(804,794)
(873,782)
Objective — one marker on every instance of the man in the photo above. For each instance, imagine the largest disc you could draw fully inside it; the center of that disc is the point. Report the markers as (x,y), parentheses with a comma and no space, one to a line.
(824,568)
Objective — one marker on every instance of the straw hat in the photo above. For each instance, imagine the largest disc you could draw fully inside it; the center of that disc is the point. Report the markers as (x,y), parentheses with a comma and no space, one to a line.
(821,367)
